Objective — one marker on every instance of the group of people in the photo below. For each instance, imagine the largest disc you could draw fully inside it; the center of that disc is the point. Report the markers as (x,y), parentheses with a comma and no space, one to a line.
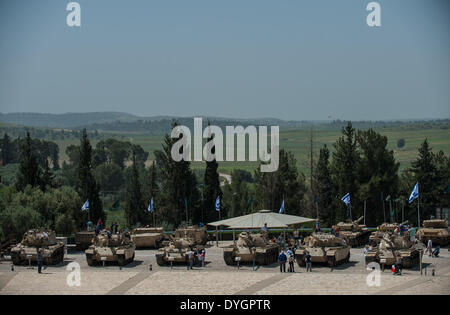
(288,256)
(201,255)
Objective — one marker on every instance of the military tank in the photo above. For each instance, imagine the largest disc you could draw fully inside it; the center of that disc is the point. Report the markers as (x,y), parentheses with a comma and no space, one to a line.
(251,246)
(198,234)
(376,236)
(390,247)
(149,237)
(436,230)
(38,239)
(111,247)
(354,234)
(176,251)
(83,239)
(323,248)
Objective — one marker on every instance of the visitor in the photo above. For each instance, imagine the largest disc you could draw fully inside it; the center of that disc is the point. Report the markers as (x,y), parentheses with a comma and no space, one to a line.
(89,225)
(398,266)
(39,260)
(332,231)
(366,258)
(437,251)
(264,228)
(412,235)
(291,259)
(190,257)
(308,261)
(429,247)
(203,257)
(282,260)
(296,238)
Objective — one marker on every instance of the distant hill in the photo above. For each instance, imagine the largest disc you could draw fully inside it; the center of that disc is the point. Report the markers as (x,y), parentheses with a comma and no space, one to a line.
(67,120)
(118,122)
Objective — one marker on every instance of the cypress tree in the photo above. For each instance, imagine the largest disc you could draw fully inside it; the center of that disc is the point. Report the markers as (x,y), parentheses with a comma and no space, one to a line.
(211,189)
(6,150)
(28,172)
(135,205)
(324,187)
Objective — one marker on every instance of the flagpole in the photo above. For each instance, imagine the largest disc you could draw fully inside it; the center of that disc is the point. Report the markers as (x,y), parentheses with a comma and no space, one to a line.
(418,211)
(365,212)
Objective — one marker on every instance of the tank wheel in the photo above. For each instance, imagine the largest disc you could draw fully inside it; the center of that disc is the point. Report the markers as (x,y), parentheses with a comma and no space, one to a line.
(15,257)
(300,260)
(57,256)
(331,261)
(228,257)
(130,260)
(160,260)
(89,260)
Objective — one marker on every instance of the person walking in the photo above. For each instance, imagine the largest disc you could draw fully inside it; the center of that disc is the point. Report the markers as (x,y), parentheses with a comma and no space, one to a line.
(296,238)
(282,260)
(308,262)
(39,260)
(366,251)
(291,259)
(203,257)
(190,256)
(430,247)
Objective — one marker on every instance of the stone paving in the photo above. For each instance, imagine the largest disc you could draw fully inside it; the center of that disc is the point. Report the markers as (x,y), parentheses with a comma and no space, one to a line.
(218,278)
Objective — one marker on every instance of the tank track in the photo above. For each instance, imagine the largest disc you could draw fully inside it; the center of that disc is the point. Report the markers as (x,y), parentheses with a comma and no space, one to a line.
(229,258)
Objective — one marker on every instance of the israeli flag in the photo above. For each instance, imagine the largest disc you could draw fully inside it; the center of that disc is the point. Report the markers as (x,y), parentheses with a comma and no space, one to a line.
(282,208)
(346,199)
(218,203)
(414,193)
(85,206)
(150,206)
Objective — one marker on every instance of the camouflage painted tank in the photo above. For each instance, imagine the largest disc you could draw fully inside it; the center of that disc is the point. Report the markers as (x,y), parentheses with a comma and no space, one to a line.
(354,234)
(39,239)
(323,248)
(251,246)
(390,247)
(111,247)
(198,234)
(176,251)
(83,239)
(436,230)
(147,237)
(377,236)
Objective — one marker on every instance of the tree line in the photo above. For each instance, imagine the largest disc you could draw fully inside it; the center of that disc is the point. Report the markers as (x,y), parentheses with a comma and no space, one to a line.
(360,164)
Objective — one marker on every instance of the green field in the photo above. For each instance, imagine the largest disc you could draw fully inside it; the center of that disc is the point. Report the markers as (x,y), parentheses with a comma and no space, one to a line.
(298,141)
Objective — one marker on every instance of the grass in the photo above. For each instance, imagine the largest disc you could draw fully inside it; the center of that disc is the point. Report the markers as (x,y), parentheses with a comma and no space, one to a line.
(298,141)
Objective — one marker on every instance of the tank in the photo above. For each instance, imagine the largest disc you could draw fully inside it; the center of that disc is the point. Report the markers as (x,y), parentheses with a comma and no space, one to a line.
(354,234)
(251,247)
(111,248)
(390,247)
(323,248)
(38,239)
(176,251)
(436,230)
(83,239)
(147,237)
(377,236)
(198,234)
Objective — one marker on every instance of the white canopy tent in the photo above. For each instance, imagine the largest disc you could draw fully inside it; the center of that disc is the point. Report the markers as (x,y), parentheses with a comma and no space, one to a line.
(258,219)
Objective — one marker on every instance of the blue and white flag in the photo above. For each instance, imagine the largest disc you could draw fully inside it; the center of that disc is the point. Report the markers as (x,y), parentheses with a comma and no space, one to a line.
(414,193)
(282,207)
(218,203)
(150,206)
(346,199)
(85,206)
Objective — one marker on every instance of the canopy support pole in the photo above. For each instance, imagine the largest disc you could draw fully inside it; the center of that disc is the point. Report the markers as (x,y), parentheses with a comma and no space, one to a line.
(234,236)
(217,236)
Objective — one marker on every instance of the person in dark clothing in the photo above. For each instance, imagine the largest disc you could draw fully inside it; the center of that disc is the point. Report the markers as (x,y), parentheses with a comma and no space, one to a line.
(282,258)
(291,259)
(39,260)
(308,262)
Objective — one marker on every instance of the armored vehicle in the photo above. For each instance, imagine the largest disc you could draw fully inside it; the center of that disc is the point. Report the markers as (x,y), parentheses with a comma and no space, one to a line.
(323,248)
(354,234)
(377,236)
(176,251)
(147,237)
(52,252)
(112,248)
(83,239)
(436,230)
(390,247)
(198,234)
(251,246)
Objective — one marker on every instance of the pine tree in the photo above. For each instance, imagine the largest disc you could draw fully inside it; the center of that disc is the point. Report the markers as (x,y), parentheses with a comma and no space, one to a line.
(211,189)
(344,170)
(425,172)
(6,150)
(48,179)
(178,185)
(87,187)
(135,205)
(324,187)
(28,172)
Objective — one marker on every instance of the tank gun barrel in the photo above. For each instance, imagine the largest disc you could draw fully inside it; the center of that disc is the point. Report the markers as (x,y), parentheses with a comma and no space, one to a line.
(359,220)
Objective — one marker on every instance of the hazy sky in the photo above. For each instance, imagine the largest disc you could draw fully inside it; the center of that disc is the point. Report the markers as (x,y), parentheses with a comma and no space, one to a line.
(288,59)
